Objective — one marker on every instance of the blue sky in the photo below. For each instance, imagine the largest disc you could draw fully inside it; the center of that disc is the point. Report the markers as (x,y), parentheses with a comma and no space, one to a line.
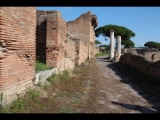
(143,21)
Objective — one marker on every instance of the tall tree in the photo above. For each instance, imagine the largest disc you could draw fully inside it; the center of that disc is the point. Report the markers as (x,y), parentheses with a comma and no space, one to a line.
(152,44)
(124,32)
(127,43)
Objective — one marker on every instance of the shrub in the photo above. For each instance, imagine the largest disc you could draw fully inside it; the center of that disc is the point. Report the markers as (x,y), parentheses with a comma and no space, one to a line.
(41,66)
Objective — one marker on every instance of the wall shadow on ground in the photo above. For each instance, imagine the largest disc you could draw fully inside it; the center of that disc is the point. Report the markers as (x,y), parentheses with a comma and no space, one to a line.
(104,59)
(150,95)
(139,108)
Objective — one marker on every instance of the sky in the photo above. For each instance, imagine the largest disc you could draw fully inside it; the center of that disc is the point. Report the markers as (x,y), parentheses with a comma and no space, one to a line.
(143,21)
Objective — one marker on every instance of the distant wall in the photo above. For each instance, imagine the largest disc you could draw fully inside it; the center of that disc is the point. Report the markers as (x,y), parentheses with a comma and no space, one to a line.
(82,51)
(84,25)
(70,52)
(142,63)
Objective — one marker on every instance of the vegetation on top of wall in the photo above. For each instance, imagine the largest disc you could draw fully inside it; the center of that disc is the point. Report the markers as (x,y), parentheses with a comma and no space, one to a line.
(41,66)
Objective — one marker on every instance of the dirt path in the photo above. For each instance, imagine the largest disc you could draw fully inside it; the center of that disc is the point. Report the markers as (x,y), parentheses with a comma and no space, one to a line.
(116,93)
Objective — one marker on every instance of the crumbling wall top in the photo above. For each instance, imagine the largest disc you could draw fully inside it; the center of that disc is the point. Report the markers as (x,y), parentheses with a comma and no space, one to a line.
(48,12)
(94,20)
(89,16)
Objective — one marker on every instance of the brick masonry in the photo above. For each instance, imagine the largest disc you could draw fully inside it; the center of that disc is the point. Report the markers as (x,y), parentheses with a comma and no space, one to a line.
(70,51)
(28,34)
(84,25)
(17,49)
(51,37)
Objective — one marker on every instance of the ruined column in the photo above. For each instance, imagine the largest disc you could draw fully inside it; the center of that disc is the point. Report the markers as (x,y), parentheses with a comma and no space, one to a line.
(111,44)
(118,48)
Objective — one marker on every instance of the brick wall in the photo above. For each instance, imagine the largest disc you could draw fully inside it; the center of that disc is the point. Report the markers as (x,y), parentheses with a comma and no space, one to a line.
(54,27)
(84,25)
(41,36)
(142,63)
(83,54)
(70,52)
(17,49)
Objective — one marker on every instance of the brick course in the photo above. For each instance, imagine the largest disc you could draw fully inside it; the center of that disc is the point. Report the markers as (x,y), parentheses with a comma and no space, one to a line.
(84,25)
(17,48)
(54,27)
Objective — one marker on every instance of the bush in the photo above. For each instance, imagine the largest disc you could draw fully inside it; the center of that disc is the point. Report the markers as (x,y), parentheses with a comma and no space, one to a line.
(41,66)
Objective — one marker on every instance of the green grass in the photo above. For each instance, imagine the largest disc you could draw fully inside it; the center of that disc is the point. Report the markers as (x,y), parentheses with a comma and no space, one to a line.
(67,91)
(101,54)
(33,94)
(55,78)
(41,66)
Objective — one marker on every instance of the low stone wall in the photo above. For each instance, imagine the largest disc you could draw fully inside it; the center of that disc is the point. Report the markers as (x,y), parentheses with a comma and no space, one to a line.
(142,64)
(20,88)
(43,75)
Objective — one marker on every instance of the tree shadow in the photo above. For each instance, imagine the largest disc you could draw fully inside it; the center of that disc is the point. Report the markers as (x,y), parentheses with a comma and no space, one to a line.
(136,107)
(151,95)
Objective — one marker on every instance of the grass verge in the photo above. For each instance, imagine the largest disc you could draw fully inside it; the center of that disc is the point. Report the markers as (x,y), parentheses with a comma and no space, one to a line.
(62,94)
(41,66)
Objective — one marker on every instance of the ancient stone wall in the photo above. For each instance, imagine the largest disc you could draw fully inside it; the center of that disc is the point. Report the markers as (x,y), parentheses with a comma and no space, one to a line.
(17,49)
(70,54)
(53,26)
(76,50)
(84,25)
(41,36)
(143,63)
(27,34)
(82,51)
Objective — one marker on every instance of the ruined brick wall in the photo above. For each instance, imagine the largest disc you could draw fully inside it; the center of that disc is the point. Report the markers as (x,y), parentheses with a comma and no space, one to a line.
(81,48)
(80,25)
(54,27)
(17,49)
(70,52)
(147,54)
(142,63)
(92,42)
(41,36)
(85,25)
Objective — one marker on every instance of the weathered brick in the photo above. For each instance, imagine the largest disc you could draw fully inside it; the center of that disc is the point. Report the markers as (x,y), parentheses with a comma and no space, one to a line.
(17,31)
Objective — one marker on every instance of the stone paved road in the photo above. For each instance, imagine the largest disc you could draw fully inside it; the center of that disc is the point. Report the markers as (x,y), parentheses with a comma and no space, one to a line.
(118,94)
